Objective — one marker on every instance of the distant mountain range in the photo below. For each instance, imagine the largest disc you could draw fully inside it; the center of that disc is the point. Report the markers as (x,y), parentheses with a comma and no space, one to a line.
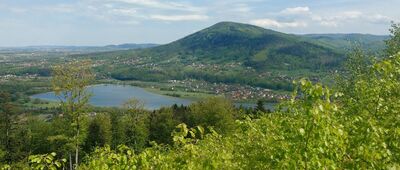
(84,49)
(371,43)
(131,46)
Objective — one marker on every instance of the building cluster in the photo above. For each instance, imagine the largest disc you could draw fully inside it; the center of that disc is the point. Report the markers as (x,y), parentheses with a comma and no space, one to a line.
(232,91)
(15,77)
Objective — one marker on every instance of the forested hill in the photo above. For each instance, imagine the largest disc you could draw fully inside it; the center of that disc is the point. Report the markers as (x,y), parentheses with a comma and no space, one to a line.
(368,42)
(253,46)
(230,52)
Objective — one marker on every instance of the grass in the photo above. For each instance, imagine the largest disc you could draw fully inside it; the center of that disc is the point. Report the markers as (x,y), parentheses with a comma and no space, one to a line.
(156,87)
(196,96)
(41,104)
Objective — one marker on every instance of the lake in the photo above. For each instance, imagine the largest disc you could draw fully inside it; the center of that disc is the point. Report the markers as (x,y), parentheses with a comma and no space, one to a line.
(110,95)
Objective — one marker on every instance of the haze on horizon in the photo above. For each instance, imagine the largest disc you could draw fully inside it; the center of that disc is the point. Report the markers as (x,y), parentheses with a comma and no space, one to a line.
(103,22)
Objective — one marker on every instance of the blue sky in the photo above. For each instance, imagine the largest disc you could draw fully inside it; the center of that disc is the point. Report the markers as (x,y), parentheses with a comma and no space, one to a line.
(102,22)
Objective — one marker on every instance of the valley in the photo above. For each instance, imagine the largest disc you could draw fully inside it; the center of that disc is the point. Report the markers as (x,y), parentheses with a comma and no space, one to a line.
(242,62)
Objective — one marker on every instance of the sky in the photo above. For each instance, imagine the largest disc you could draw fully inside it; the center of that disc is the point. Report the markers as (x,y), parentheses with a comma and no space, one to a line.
(104,22)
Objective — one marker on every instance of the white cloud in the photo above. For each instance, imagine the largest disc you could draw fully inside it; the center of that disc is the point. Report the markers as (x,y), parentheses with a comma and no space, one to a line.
(179,17)
(130,12)
(274,23)
(329,23)
(155,4)
(350,16)
(296,11)
(60,8)
(241,8)
(132,22)
(123,12)
(109,13)
(379,18)
(136,11)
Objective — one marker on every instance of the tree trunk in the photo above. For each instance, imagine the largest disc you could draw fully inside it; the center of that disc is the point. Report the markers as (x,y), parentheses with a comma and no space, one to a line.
(70,161)
(77,149)
(8,148)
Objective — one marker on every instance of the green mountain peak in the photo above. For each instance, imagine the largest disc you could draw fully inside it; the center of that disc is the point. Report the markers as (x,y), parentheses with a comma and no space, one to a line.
(230,52)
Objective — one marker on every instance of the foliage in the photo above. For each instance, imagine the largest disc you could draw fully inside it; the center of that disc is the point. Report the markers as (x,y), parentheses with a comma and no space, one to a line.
(136,128)
(393,44)
(105,158)
(69,83)
(321,138)
(5,167)
(46,162)
(317,129)
(372,110)
(7,126)
(260,106)
(162,123)
(215,112)
(99,132)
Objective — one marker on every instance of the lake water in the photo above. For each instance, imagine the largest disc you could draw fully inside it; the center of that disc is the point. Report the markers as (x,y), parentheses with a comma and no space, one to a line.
(110,95)
(107,95)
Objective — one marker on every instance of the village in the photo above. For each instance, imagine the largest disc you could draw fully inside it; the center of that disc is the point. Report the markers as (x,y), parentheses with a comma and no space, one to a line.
(234,92)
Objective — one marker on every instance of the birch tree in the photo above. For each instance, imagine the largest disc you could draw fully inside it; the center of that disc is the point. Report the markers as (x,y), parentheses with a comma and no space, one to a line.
(69,84)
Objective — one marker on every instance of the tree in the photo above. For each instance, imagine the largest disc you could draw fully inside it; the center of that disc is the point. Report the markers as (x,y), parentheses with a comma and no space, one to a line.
(393,44)
(214,112)
(7,113)
(260,106)
(134,105)
(69,83)
(370,104)
(39,133)
(162,123)
(318,138)
(99,132)
(136,124)
(357,66)
(117,128)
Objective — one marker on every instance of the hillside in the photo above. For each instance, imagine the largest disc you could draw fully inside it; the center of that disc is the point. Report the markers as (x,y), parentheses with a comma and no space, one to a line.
(368,42)
(253,46)
(226,52)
